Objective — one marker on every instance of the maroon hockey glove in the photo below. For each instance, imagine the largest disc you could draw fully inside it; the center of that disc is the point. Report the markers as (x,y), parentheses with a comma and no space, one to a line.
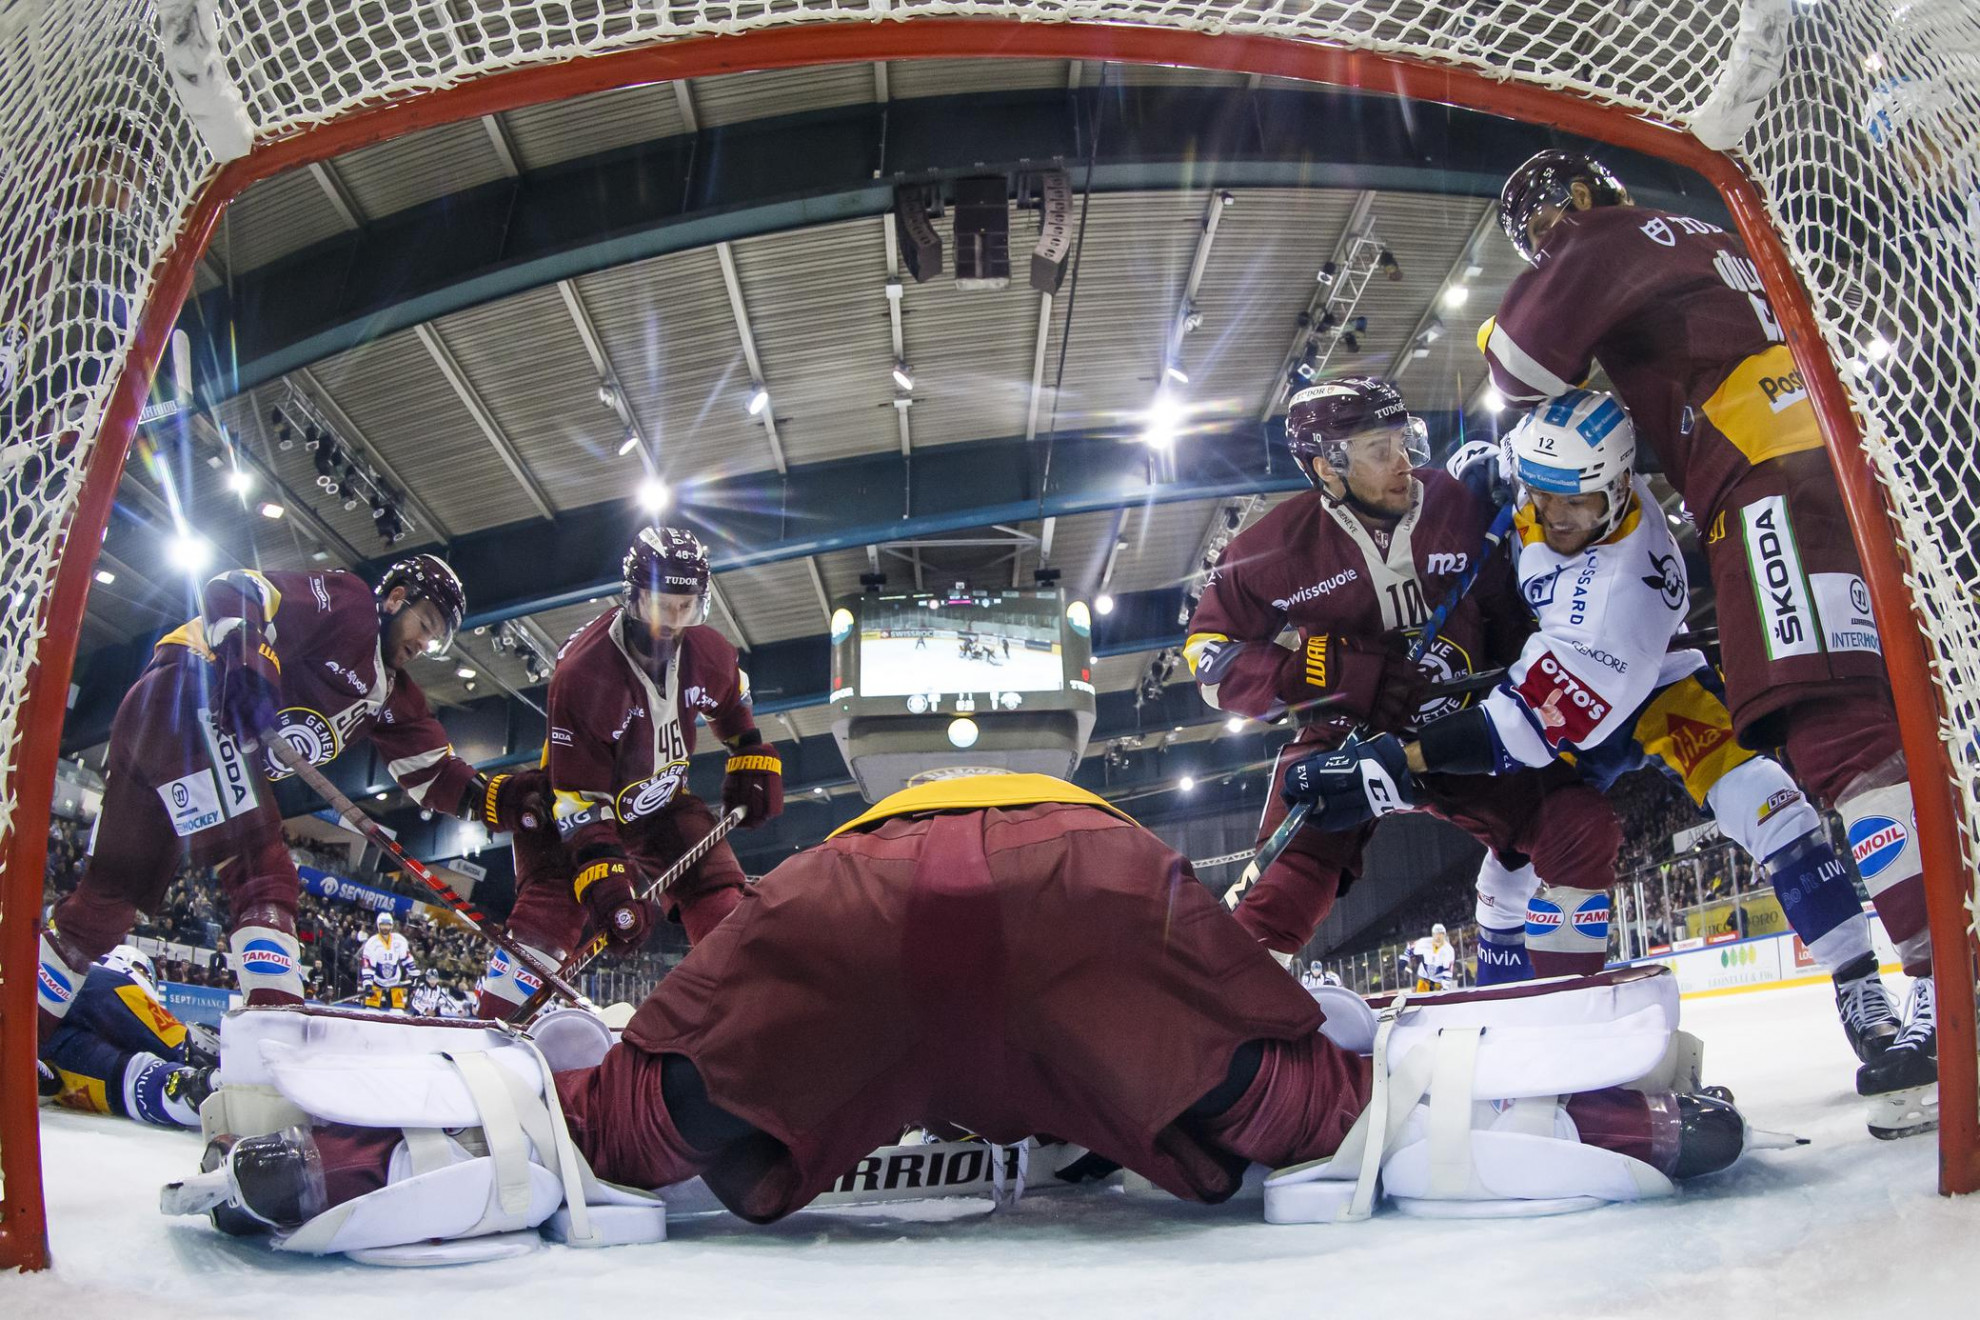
(507,803)
(754,780)
(605,887)
(250,685)
(1371,678)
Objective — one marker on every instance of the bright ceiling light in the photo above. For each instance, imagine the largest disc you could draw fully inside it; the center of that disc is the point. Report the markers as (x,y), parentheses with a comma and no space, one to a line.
(189,551)
(630,443)
(759,401)
(105,576)
(653,495)
(1164,419)
(240,481)
(962,732)
(1186,783)
(1103,604)
(902,376)
(1493,400)
(272,510)
(1176,374)
(1457,296)
(1235,724)
(1880,348)
(464,672)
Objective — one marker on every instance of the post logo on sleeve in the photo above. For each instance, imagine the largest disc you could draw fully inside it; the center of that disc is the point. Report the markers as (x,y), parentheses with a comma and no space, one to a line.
(1780,587)
(1567,709)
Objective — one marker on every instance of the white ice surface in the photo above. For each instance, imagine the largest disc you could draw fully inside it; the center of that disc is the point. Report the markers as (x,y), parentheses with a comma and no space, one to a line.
(1846,1227)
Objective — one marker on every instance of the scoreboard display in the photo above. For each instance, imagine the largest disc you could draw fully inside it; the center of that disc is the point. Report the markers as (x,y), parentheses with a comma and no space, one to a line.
(934,680)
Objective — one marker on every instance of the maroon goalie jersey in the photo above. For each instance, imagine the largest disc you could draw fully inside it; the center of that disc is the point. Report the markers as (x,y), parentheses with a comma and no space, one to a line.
(1310,565)
(1674,310)
(620,738)
(334,684)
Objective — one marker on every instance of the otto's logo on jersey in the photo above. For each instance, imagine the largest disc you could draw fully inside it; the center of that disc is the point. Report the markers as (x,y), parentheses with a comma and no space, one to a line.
(650,795)
(266,958)
(1567,709)
(1875,842)
(54,985)
(1445,563)
(312,737)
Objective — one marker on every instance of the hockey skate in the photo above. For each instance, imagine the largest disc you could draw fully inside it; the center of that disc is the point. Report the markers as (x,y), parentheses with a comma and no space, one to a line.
(252,1186)
(1902,1084)
(1864,1006)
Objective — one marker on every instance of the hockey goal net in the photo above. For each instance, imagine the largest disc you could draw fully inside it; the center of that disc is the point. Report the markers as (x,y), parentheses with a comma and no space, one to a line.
(1844,135)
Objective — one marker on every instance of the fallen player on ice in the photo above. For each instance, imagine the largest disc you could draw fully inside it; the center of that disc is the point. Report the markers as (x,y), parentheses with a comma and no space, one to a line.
(1003,953)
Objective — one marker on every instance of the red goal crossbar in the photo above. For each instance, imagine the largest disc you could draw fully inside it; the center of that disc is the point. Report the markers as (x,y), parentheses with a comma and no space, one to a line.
(23,1239)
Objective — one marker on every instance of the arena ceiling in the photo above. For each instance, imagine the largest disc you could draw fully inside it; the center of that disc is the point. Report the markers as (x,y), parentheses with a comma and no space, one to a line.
(520,320)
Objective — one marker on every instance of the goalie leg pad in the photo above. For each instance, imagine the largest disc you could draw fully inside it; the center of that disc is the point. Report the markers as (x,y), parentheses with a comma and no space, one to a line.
(484,1149)
(1459,1113)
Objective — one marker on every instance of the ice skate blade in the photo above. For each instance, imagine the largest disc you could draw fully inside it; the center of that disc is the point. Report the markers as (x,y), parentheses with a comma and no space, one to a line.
(195,1195)
(1908,1113)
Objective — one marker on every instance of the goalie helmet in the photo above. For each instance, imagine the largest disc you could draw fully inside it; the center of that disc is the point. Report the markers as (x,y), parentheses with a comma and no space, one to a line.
(1547,179)
(1577,444)
(1322,418)
(131,961)
(428,578)
(671,561)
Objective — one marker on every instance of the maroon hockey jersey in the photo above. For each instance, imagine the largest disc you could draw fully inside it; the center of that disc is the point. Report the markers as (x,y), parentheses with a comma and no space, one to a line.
(620,739)
(1311,566)
(1674,311)
(334,684)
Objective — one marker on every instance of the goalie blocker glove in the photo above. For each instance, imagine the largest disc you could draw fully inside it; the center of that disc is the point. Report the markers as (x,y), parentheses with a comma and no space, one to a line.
(1356,784)
(753,779)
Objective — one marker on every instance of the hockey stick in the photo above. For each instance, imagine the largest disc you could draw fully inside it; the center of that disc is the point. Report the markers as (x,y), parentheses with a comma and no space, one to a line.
(349,812)
(583,958)
(1268,852)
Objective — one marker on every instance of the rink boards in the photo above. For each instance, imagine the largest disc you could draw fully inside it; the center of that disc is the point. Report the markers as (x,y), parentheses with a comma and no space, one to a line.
(1722,964)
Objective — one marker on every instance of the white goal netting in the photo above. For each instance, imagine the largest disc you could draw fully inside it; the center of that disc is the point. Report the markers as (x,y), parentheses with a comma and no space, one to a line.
(1858,120)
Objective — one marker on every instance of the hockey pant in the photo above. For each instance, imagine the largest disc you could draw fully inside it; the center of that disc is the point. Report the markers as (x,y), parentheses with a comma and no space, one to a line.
(389,997)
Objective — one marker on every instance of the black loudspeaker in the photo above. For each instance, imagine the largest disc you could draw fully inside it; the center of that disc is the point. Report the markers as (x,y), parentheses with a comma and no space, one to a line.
(921,246)
(983,232)
(1055,231)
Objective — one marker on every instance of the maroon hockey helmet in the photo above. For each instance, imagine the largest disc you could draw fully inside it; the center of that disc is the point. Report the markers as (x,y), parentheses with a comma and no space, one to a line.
(669,560)
(1546,179)
(1321,419)
(428,578)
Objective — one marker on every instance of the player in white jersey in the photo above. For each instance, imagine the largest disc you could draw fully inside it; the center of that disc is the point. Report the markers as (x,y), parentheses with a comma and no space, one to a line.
(1436,960)
(1596,682)
(386,968)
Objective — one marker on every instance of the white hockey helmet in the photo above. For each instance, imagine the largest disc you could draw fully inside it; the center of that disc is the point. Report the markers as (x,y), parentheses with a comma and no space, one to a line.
(385,921)
(1577,444)
(1437,928)
(131,961)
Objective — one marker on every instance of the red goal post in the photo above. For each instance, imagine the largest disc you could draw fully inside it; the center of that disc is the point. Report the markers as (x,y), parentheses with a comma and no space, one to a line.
(109,195)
